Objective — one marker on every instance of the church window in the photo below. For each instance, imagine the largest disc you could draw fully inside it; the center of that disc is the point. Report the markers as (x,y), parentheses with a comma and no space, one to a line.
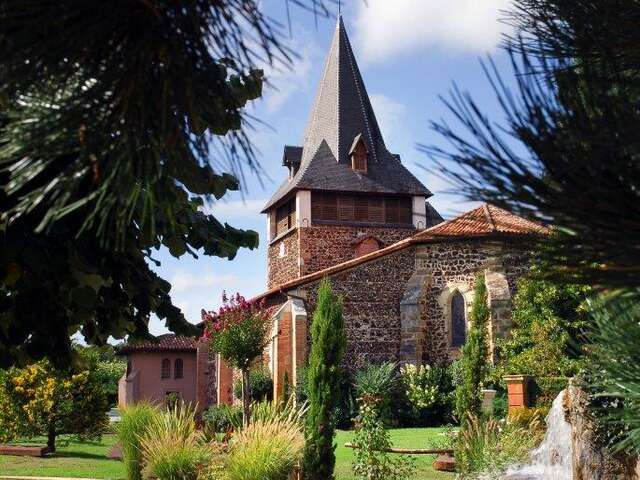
(178,368)
(165,369)
(458,320)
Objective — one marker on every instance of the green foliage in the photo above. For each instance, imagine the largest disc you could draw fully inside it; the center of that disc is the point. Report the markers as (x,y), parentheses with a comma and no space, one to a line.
(485,448)
(134,422)
(474,362)
(42,400)
(328,344)
(109,368)
(371,461)
(614,376)
(265,450)
(171,446)
(548,324)
(376,380)
(261,385)
(222,418)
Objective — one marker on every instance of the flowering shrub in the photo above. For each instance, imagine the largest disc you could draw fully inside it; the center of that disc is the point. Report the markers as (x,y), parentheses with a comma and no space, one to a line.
(42,400)
(421,385)
(239,332)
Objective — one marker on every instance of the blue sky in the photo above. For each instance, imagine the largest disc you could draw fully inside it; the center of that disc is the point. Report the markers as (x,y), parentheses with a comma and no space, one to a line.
(410,52)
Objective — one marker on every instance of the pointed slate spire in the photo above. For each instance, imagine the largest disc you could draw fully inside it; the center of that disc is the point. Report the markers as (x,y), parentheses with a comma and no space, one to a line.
(342,109)
(342,113)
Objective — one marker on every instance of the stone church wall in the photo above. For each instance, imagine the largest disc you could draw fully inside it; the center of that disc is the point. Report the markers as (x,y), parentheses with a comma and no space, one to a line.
(371,294)
(282,259)
(323,246)
(453,266)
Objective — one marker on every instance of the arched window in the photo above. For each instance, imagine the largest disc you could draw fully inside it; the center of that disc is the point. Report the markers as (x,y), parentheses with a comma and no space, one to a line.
(458,320)
(177,368)
(165,371)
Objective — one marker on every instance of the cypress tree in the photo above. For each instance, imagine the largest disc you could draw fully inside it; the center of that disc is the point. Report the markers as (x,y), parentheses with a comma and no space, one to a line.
(475,353)
(328,344)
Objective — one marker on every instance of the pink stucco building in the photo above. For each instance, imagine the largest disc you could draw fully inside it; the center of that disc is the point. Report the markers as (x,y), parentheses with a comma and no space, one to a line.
(172,365)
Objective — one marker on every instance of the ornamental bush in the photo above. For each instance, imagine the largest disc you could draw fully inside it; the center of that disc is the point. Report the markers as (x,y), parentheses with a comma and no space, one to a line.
(42,400)
(474,361)
(428,393)
(239,333)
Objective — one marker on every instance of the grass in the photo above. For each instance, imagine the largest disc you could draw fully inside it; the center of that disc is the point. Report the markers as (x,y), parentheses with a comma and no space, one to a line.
(73,459)
(88,459)
(400,438)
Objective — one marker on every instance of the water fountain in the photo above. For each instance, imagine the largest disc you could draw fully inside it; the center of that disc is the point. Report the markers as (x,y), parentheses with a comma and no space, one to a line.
(552,460)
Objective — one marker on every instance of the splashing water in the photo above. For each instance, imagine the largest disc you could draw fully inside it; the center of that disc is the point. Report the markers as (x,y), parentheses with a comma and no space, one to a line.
(552,459)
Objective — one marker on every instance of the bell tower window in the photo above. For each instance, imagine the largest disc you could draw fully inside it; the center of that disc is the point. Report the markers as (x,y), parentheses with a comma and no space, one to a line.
(359,154)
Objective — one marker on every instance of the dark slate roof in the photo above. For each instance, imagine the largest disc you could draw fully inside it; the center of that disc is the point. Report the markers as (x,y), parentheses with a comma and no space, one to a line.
(342,111)
(162,343)
(292,155)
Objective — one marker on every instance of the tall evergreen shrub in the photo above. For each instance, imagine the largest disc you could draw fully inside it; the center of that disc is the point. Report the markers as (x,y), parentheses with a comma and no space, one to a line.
(328,344)
(475,353)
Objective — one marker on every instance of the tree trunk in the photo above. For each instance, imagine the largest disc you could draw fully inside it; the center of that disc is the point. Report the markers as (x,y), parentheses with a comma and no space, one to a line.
(246,398)
(51,440)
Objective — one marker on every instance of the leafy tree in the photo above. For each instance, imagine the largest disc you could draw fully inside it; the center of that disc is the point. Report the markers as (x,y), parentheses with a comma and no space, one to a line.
(42,400)
(549,321)
(109,368)
(574,119)
(474,361)
(261,385)
(328,345)
(239,333)
(118,123)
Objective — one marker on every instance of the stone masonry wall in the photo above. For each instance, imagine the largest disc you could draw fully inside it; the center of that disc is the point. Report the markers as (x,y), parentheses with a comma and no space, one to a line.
(282,259)
(371,294)
(457,263)
(322,246)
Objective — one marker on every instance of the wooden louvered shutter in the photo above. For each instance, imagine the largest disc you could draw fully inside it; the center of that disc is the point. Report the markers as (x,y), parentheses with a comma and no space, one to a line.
(405,212)
(361,210)
(292,213)
(391,210)
(317,200)
(376,210)
(330,207)
(346,206)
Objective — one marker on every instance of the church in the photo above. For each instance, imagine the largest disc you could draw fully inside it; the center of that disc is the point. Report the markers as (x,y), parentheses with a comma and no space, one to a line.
(350,211)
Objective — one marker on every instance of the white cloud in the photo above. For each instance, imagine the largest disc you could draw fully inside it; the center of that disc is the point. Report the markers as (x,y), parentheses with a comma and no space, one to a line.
(236,209)
(283,82)
(385,28)
(390,115)
(185,281)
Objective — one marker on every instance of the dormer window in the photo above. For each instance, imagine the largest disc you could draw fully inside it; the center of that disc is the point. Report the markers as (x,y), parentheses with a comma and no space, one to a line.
(359,154)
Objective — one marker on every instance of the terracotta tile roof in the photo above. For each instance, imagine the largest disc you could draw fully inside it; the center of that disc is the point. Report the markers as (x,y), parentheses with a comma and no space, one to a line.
(485,221)
(163,343)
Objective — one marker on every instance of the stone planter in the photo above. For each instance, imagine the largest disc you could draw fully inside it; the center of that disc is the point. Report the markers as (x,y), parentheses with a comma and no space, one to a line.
(518,391)
(487,400)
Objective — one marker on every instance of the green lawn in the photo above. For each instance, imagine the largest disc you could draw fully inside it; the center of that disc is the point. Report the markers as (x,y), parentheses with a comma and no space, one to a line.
(88,459)
(73,459)
(401,438)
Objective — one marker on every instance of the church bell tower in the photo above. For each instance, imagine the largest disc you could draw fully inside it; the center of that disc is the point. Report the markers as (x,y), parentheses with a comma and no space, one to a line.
(345,194)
